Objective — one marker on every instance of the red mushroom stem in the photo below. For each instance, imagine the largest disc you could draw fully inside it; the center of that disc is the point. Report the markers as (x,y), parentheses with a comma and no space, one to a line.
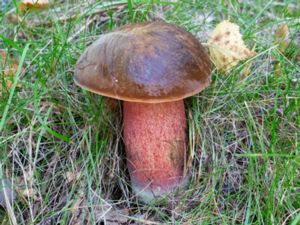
(155,141)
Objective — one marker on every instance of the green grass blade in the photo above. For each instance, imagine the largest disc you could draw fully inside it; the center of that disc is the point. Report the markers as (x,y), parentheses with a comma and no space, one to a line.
(43,123)
(130,8)
(13,88)
(296,220)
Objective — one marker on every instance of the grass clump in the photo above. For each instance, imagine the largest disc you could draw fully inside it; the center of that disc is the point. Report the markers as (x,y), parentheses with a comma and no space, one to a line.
(62,148)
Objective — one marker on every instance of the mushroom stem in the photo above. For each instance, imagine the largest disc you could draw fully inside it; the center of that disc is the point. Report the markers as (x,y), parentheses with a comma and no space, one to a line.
(155,141)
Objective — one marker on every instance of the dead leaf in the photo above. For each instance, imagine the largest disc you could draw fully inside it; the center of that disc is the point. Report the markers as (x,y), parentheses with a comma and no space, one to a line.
(226,46)
(278,69)
(144,219)
(247,68)
(282,37)
(28,193)
(112,216)
(72,176)
(282,42)
(33,5)
(9,68)
(12,18)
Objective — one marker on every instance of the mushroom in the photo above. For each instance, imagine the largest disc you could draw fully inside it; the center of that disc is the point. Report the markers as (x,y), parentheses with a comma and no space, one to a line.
(152,67)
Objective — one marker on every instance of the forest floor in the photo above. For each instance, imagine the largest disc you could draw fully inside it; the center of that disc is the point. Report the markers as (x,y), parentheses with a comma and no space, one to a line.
(61,148)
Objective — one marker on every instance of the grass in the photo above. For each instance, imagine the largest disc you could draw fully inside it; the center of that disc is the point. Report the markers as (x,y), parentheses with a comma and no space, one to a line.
(61,147)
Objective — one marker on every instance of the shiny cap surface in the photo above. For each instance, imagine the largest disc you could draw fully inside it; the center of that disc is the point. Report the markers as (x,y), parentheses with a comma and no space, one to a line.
(148,62)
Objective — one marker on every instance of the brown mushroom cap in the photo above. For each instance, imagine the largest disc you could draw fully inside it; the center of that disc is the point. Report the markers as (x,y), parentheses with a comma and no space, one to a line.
(148,62)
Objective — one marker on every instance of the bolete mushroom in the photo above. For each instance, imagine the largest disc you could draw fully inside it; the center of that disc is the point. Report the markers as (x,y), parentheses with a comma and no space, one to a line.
(152,67)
